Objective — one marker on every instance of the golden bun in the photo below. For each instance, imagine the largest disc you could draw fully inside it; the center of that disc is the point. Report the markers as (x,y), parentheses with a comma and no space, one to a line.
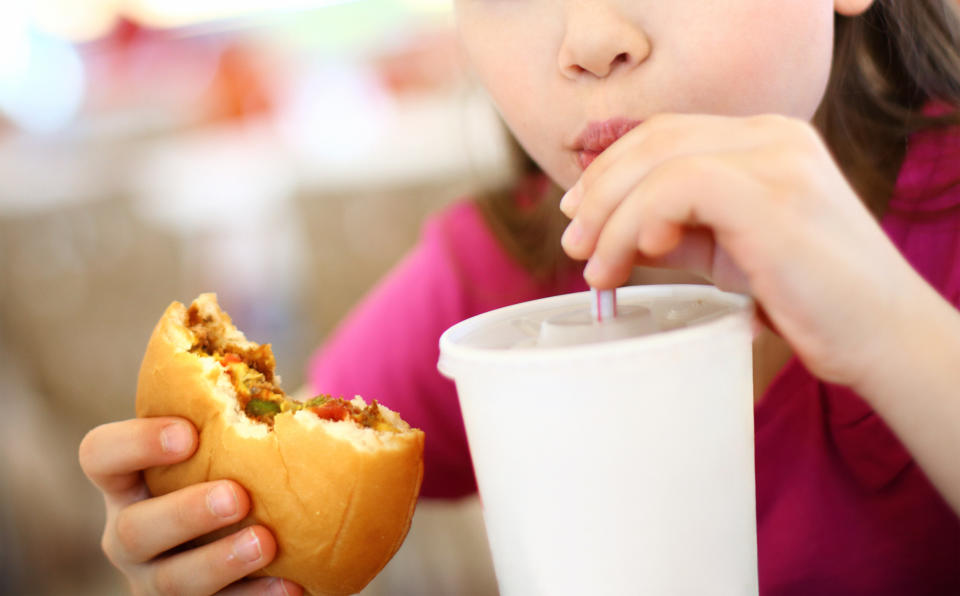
(339,497)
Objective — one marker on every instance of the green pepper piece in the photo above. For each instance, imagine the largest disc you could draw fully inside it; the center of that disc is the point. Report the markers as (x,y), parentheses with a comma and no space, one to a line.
(262,408)
(317,401)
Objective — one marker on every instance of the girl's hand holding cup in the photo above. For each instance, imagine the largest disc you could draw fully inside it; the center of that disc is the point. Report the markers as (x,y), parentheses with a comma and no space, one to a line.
(757,205)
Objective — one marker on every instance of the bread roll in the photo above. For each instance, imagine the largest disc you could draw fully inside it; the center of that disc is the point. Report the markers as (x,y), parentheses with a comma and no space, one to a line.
(338,494)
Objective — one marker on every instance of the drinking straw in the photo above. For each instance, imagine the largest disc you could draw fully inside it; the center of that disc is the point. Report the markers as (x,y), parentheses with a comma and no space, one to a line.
(603,305)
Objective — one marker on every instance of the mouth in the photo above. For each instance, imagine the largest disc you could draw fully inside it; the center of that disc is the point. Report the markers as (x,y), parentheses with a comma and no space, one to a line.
(597,136)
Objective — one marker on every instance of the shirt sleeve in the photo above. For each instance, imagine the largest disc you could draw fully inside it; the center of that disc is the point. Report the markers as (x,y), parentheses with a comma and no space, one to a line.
(387,349)
(924,224)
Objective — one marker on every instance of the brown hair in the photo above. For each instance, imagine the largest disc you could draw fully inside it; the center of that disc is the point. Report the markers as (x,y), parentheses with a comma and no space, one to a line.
(888,64)
(530,233)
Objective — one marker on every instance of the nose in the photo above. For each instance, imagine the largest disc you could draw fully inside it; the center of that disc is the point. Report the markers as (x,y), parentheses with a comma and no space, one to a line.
(598,40)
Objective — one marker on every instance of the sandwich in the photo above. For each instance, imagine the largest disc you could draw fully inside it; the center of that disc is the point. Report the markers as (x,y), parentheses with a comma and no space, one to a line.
(335,480)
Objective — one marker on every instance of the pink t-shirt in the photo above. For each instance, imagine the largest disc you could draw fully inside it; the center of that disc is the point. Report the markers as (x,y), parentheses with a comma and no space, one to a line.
(387,347)
(841,506)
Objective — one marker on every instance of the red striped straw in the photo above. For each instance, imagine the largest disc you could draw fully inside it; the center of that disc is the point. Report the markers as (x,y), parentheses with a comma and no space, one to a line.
(603,305)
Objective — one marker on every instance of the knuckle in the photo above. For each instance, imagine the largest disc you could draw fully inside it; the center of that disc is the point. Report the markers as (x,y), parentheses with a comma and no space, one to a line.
(127,535)
(646,207)
(794,147)
(802,135)
(85,451)
(684,174)
(797,162)
(588,179)
(689,167)
(109,548)
(659,138)
(770,121)
(659,144)
(590,214)
(164,582)
(660,120)
(790,131)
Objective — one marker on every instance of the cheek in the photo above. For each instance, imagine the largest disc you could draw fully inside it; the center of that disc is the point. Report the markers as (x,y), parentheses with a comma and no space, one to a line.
(520,88)
(502,47)
(780,67)
(511,83)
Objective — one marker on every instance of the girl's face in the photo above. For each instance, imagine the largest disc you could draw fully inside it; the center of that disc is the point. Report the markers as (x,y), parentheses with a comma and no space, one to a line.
(553,67)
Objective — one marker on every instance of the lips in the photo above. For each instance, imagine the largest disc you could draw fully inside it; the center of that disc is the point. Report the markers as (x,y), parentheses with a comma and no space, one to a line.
(597,136)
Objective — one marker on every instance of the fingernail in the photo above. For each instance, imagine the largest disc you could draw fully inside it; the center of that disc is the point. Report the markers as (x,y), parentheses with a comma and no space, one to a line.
(175,438)
(246,547)
(278,587)
(572,235)
(222,501)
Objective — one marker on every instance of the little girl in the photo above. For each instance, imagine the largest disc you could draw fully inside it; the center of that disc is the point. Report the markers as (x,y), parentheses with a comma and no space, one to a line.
(805,152)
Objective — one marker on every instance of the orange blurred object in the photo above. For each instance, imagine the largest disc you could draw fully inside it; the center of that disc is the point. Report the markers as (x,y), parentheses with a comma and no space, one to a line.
(238,90)
(204,79)
(428,62)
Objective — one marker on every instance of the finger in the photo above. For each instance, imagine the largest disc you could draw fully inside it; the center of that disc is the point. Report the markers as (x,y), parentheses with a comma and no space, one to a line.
(660,127)
(661,138)
(694,253)
(674,133)
(209,568)
(698,253)
(113,455)
(597,171)
(263,586)
(703,191)
(719,192)
(147,528)
(613,257)
(592,201)
(601,196)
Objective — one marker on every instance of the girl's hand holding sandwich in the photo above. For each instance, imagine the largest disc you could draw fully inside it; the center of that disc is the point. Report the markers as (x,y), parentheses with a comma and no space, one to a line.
(147,538)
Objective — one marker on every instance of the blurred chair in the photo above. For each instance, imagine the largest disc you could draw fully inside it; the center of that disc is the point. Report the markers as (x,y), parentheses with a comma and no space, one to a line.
(82,287)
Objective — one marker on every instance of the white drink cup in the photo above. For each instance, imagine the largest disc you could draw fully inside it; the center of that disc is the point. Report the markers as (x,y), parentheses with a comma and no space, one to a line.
(620,466)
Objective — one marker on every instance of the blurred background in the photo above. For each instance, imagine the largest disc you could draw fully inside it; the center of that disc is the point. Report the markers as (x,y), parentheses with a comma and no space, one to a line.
(282,154)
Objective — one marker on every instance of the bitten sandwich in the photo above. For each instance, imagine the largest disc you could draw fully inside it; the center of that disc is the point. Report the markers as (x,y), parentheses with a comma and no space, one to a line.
(335,480)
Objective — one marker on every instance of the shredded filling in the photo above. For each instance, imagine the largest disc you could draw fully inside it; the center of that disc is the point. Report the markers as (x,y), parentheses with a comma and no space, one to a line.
(251,373)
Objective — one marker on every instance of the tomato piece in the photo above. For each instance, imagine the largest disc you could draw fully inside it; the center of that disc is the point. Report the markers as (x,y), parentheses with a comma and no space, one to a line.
(331,411)
(229,359)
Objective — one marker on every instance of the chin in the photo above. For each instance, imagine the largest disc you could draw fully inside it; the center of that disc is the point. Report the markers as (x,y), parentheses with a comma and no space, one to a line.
(564,176)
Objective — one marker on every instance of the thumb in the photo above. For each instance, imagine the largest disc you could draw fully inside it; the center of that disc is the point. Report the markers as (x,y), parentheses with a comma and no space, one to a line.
(699,253)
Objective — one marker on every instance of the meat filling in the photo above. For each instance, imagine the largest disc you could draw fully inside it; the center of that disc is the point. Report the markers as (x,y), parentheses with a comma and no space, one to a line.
(251,373)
